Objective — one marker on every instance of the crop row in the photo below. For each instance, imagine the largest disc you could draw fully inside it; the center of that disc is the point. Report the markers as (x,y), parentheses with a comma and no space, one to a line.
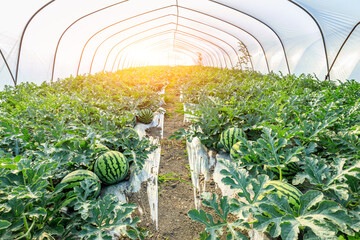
(301,122)
(50,130)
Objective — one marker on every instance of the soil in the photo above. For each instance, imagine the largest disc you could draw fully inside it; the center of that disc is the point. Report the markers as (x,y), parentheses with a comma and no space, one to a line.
(153,131)
(176,197)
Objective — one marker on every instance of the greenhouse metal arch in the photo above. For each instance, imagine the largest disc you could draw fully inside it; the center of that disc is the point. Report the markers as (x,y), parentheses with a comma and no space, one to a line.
(305,6)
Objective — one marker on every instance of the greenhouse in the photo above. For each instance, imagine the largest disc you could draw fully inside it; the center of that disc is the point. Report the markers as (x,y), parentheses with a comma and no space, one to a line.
(180,120)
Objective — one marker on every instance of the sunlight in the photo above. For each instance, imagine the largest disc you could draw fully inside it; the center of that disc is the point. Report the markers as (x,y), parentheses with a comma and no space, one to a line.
(144,55)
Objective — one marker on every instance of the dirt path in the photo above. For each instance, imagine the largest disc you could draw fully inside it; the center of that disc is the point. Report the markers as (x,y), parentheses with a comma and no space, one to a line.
(175,197)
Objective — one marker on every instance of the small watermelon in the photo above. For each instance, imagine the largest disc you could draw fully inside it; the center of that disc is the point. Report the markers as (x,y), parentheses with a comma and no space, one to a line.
(129,133)
(289,171)
(285,189)
(101,148)
(98,150)
(111,167)
(75,178)
(145,116)
(240,152)
(231,136)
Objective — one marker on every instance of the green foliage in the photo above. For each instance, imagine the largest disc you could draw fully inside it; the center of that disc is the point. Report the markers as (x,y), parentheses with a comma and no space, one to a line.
(134,149)
(50,130)
(268,150)
(30,206)
(213,123)
(104,215)
(315,215)
(287,119)
(337,181)
(215,229)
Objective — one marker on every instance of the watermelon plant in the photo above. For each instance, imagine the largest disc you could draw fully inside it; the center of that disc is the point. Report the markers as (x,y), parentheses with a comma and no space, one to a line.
(299,131)
(33,208)
(136,150)
(50,133)
(286,213)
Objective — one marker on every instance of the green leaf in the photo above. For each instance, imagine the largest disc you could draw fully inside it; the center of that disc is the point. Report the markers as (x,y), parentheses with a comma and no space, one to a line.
(331,179)
(4,224)
(214,230)
(263,221)
(308,200)
(221,210)
(323,218)
(290,229)
(239,178)
(37,212)
(106,214)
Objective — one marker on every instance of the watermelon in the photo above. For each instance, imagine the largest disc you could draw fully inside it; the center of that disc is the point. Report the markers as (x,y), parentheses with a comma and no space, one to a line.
(98,150)
(231,136)
(240,152)
(101,148)
(75,178)
(285,189)
(111,167)
(129,133)
(145,116)
(289,171)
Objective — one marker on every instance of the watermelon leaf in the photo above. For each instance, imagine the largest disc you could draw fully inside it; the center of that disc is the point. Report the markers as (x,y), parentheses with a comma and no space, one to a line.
(4,224)
(331,179)
(269,150)
(106,214)
(318,215)
(214,230)
(136,150)
(238,178)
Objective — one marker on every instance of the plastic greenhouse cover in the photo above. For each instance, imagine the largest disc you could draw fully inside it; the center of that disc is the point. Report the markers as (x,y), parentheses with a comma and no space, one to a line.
(43,40)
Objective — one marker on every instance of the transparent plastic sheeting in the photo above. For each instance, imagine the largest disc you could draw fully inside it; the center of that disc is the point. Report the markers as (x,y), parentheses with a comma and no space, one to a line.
(44,40)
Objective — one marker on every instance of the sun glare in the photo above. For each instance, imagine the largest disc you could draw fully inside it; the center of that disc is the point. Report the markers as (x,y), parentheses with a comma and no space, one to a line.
(165,55)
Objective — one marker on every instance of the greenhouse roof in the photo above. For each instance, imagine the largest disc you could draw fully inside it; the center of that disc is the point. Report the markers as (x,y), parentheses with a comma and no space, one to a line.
(44,40)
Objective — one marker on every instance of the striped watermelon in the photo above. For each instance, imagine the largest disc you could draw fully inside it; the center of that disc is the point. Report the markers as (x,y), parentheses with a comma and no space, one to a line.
(287,190)
(240,152)
(289,171)
(145,116)
(101,148)
(231,136)
(129,133)
(75,178)
(111,167)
